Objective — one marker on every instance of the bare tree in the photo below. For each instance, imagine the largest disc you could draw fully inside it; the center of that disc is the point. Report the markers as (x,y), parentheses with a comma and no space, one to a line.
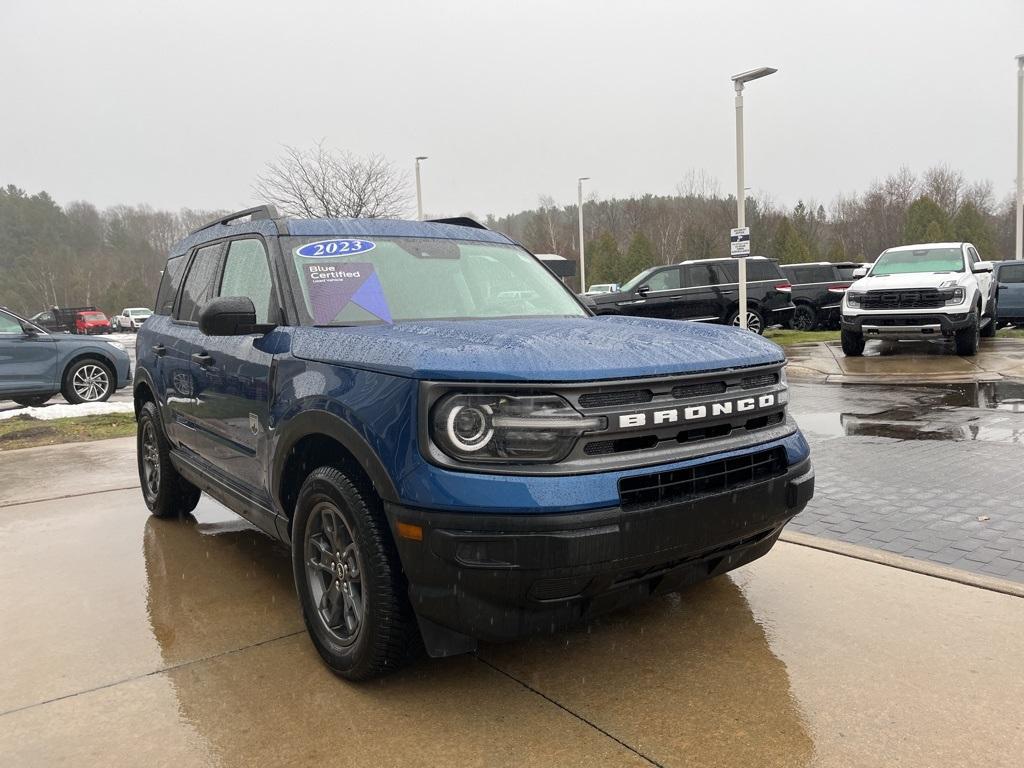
(319,183)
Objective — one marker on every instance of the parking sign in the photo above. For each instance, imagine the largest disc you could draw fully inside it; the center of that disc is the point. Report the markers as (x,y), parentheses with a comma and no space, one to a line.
(739,241)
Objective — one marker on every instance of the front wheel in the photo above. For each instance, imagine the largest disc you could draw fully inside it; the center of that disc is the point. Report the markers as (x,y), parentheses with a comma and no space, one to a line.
(166,493)
(853,343)
(349,578)
(87,381)
(969,339)
(755,322)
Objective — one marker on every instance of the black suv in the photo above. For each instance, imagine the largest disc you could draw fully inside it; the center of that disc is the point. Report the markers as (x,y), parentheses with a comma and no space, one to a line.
(818,290)
(704,290)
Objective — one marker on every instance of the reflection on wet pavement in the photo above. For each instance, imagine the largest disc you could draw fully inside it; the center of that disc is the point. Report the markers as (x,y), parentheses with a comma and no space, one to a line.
(986,411)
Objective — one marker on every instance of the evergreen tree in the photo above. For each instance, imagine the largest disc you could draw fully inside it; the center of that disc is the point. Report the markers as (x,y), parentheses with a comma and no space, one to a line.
(603,259)
(926,222)
(639,256)
(788,246)
(970,225)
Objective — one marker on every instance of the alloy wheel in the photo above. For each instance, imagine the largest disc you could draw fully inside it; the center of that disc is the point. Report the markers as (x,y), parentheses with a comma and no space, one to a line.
(91,382)
(334,573)
(753,322)
(150,458)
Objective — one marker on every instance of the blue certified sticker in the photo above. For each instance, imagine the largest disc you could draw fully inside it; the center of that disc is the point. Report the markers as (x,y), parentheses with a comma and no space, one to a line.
(329,249)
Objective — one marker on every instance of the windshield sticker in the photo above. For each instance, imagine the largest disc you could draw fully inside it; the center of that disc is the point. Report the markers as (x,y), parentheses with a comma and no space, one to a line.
(328,249)
(332,287)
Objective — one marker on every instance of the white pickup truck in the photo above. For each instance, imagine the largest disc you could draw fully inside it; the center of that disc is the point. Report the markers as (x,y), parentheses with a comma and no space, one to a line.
(922,291)
(130,319)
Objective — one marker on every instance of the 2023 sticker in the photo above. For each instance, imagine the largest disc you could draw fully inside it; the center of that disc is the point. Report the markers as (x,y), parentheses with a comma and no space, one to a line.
(329,249)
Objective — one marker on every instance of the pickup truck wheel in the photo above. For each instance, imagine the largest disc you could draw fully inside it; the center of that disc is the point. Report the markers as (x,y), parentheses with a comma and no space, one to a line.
(755,322)
(166,493)
(969,339)
(853,343)
(87,381)
(349,578)
(32,402)
(804,318)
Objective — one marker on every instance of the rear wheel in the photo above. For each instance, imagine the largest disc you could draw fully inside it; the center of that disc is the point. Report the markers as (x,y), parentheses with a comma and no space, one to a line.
(166,493)
(755,322)
(349,578)
(969,339)
(853,343)
(804,318)
(87,381)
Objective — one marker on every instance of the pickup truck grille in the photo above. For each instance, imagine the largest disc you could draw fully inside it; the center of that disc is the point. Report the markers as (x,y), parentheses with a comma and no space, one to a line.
(918,298)
(691,483)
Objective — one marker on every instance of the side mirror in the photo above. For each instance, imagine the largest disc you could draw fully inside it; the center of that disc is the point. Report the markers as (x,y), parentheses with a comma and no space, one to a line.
(615,288)
(29,330)
(860,272)
(643,290)
(982,266)
(228,316)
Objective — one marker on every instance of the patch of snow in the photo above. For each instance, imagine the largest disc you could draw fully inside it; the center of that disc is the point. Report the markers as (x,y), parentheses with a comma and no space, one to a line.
(61,410)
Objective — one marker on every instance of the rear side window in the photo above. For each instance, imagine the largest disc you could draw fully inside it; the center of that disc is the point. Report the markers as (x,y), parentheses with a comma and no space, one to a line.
(247,273)
(758,269)
(699,275)
(200,283)
(665,280)
(169,285)
(1011,273)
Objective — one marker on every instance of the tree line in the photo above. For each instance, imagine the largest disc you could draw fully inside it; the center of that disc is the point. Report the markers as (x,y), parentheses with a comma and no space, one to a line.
(79,255)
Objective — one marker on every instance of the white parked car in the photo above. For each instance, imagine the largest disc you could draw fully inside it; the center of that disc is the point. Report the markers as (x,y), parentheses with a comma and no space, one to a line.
(130,319)
(599,288)
(919,292)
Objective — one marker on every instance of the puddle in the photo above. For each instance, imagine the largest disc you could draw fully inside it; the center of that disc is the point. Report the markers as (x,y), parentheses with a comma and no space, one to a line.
(987,412)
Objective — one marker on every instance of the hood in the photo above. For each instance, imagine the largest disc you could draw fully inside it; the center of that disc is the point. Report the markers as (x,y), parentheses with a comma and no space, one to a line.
(549,349)
(909,280)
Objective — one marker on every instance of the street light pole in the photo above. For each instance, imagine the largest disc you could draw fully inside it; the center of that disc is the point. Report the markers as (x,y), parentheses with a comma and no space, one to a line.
(419,190)
(741,200)
(1019,249)
(579,208)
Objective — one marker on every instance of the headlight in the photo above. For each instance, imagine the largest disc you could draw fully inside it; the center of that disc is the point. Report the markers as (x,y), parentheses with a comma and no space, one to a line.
(783,396)
(854,299)
(508,429)
(957,297)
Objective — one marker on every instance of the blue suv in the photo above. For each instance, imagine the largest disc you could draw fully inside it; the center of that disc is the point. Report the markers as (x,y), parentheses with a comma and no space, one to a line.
(451,444)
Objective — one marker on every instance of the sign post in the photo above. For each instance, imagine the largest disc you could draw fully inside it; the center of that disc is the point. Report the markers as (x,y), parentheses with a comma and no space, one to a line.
(739,247)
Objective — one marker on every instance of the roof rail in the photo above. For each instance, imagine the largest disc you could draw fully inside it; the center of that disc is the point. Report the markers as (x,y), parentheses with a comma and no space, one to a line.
(259,212)
(460,221)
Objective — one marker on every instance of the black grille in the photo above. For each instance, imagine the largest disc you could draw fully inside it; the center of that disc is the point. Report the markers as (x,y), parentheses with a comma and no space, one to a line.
(702,480)
(924,298)
(699,390)
(606,399)
(764,380)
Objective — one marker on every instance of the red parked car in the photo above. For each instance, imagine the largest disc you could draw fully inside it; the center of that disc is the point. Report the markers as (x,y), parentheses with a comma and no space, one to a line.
(91,321)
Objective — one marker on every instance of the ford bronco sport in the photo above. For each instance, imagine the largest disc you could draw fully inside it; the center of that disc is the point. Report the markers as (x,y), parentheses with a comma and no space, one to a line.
(452,446)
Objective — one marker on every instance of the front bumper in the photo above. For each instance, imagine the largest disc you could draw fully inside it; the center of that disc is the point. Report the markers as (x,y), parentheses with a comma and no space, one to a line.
(906,325)
(495,577)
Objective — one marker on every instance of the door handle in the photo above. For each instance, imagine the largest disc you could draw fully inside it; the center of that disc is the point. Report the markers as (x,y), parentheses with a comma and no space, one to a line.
(202,358)
(1002,287)
(159,350)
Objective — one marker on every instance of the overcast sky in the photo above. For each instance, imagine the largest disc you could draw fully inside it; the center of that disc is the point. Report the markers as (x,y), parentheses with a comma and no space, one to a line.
(180,104)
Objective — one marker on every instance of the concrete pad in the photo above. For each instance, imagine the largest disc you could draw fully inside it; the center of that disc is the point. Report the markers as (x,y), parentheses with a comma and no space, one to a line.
(134,641)
(51,471)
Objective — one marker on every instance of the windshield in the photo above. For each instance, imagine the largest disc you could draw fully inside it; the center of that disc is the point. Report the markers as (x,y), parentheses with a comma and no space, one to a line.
(349,281)
(93,316)
(919,260)
(139,312)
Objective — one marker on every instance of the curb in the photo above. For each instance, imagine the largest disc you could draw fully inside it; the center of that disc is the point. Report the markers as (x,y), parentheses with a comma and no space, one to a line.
(925,568)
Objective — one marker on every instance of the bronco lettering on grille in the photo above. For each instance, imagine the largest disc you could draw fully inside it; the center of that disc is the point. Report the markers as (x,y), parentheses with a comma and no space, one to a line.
(697,412)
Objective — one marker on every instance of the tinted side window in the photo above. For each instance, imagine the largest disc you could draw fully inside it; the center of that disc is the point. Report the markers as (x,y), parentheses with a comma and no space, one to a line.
(247,273)
(200,283)
(665,280)
(698,275)
(1011,273)
(169,285)
(973,256)
(817,274)
(762,270)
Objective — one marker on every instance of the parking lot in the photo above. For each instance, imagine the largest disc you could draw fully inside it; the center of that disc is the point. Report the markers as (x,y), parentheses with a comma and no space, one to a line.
(181,642)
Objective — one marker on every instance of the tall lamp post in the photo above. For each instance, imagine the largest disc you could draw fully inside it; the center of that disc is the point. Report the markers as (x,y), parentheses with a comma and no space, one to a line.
(741,201)
(579,208)
(1019,250)
(419,190)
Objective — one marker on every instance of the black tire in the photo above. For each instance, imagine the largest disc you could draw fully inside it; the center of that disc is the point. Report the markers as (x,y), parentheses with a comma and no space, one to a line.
(805,318)
(853,343)
(33,402)
(382,634)
(969,339)
(753,318)
(166,493)
(88,381)
(989,331)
